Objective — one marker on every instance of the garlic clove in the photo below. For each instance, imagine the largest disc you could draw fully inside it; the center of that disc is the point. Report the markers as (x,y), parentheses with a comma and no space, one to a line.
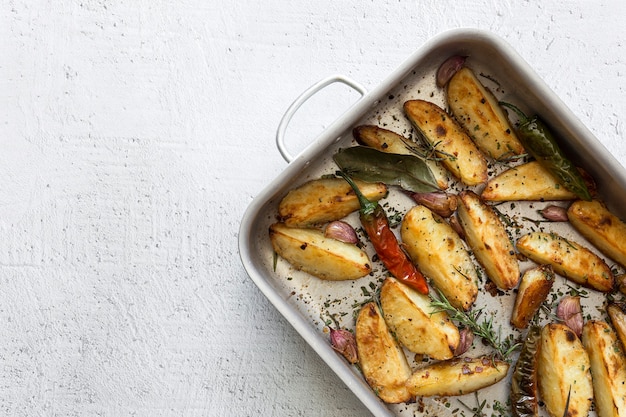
(466,340)
(554,213)
(441,203)
(344,342)
(570,311)
(449,67)
(342,231)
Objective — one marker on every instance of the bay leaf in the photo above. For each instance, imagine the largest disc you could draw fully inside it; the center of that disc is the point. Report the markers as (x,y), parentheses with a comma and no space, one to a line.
(368,164)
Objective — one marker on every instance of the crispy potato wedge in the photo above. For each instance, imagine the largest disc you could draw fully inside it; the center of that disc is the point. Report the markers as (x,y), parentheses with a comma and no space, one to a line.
(324,200)
(381,358)
(458,153)
(478,111)
(617,314)
(601,227)
(608,368)
(387,141)
(529,181)
(563,365)
(533,289)
(568,258)
(456,376)
(414,322)
(441,255)
(487,237)
(310,251)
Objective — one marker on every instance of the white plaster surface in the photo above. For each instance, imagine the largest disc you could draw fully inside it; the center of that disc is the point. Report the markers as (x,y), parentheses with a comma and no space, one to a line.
(133,135)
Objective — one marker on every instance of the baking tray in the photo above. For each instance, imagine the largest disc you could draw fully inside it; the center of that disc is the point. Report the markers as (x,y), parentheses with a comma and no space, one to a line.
(307,302)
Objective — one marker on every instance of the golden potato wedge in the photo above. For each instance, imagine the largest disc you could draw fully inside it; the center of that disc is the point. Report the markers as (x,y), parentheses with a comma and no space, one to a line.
(478,111)
(617,314)
(414,322)
(533,289)
(486,236)
(608,368)
(562,369)
(381,358)
(601,227)
(456,376)
(387,141)
(324,200)
(458,153)
(529,181)
(568,258)
(441,255)
(310,251)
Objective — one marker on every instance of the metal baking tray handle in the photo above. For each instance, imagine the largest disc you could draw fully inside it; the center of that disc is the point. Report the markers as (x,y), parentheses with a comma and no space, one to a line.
(308,93)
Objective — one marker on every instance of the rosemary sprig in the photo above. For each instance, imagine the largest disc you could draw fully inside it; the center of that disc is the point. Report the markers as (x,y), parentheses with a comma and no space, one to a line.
(483,328)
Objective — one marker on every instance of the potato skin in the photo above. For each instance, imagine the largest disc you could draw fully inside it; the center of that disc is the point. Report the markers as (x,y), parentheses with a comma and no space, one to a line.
(308,250)
(441,255)
(459,153)
(602,228)
(414,323)
(382,360)
(457,376)
(388,141)
(562,362)
(533,289)
(526,182)
(486,236)
(324,200)
(478,111)
(568,258)
(608,368)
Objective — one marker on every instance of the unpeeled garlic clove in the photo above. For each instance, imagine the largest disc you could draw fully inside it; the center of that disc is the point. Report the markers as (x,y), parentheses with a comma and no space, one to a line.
(342,231)
(344,342)
(466,340)
(441,203)
(449,67)
(554,213)
(570,311)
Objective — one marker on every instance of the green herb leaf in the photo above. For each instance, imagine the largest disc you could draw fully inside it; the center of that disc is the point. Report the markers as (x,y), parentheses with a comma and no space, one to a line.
(371,165)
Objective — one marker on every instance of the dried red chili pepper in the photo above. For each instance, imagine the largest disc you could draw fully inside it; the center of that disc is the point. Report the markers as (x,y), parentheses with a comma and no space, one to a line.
(376,225)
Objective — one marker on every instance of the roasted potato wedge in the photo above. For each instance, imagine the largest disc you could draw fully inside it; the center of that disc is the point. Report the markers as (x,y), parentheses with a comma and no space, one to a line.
(562,370)
(441,255)
(387,141)
(310,251)
(533,289)
(478,111)
(324,200)
(568,258)
(414,322)
(381,358)
(486,236)
(458,153)
(529,181)
(601,227)
(608,368)
(617,314)
(457,376)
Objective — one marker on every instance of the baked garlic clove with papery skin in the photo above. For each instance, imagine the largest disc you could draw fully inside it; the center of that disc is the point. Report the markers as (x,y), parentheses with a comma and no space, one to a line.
(570,312)
(441,203)
(341,231)
(449,67)
(555,213)
(344,342)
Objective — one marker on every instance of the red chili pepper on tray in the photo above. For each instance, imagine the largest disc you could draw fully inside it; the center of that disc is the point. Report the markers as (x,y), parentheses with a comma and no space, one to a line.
(376,225)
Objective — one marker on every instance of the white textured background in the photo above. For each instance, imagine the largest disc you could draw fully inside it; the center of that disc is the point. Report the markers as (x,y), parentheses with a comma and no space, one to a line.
(133,134)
